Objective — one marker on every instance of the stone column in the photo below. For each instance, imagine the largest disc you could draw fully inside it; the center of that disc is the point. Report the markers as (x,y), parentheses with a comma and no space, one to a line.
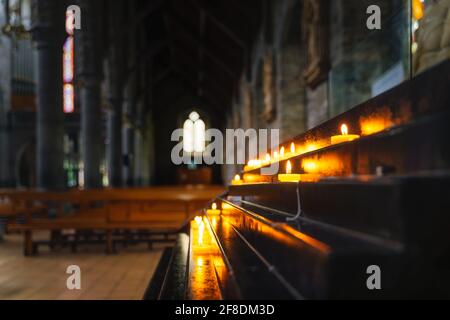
(116,74)
(131,93)
(48,30)
(89,73)
(114,132)
(129,129)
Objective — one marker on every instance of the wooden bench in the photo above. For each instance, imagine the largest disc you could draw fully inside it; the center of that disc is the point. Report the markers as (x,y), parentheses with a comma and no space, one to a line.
(113,213)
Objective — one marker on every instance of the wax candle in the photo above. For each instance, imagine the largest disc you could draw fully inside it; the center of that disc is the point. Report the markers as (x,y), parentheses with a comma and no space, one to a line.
(213,209)
(237,180)
(344,136)
(292,148)
(289,176)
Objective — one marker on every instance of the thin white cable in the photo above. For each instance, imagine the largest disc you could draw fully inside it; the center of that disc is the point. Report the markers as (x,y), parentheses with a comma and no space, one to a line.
(299,207)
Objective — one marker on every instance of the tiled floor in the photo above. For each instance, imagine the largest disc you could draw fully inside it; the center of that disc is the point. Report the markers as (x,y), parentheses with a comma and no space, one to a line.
(120,276)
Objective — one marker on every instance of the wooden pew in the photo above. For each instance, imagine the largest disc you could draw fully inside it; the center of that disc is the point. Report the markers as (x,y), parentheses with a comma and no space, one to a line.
(153,211)
(12,208)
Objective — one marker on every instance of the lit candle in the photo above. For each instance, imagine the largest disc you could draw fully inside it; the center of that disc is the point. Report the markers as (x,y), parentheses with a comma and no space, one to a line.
(275,155)
(213,209)
(289,176)
(268,158)
(282,152)
(292,148)
(344,136)
(237,180)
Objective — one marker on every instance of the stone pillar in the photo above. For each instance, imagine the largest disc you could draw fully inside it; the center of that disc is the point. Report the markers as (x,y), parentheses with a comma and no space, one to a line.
(114,134)
(48,30)
(116,74)
(131,93)
(129,129)
(89,73)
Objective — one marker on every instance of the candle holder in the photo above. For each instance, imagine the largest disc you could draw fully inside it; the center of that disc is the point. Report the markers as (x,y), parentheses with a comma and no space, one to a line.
(344,136)
(289,176)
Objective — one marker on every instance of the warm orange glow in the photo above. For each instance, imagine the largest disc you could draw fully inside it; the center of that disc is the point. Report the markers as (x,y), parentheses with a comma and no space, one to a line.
(310,166)
(293,148)
(282,152)
(205,261)
(288,167)
(418,9)
(226,206)
(377,122)
(304,237)
(275,155)
(214,206)
(327,165)
(252,178)
(312,146)
(267,157)
(373,126)
(344,130)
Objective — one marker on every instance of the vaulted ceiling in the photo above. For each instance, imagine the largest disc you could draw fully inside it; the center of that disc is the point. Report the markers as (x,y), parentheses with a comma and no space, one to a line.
(203,44)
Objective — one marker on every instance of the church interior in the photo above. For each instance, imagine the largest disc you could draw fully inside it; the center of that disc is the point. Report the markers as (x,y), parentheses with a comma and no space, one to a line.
(138,138)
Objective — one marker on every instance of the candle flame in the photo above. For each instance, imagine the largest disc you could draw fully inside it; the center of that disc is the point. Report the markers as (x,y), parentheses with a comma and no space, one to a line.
(237,178)
(268,157)
(292,148)
(288,167)
(344,129)
(282,152)
(214,206)
(275,155)
(198,219)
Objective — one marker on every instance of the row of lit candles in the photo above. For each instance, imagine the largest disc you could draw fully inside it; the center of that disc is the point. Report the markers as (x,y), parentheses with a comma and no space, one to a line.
(282,155)
(284,177)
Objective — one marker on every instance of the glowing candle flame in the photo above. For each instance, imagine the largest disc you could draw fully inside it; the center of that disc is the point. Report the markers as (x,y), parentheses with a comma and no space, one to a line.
(292,147)
(282,152)
(237,178)
(275,155)
(268,157)
(288,167)
(214,206)
(344,129)
(198,219)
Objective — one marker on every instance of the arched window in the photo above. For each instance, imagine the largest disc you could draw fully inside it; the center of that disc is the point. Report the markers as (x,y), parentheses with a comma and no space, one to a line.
(194,133)
(68,65)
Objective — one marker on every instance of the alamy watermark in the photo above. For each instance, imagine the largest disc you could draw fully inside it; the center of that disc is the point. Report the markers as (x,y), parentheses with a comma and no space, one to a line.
(237,146)
(73,282)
